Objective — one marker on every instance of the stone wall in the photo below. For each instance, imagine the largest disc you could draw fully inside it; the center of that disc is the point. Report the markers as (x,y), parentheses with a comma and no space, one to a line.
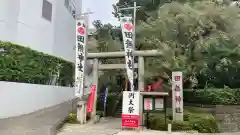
(228,117)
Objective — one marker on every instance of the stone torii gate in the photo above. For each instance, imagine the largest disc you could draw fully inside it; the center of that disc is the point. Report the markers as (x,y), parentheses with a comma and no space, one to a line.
(140,65)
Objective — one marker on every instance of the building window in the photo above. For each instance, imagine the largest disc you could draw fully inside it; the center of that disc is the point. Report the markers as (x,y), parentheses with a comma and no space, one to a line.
(47,10)
(70,7)
(73,13)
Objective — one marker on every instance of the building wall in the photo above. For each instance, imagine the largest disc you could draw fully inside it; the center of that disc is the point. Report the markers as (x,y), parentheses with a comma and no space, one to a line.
(21,22)
(64,32)
(9,10)
(22,98)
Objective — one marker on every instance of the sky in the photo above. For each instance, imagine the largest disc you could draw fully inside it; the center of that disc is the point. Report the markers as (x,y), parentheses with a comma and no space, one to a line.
(102,11)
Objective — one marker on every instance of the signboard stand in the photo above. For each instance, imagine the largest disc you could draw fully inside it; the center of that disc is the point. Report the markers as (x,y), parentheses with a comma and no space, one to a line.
(130,110)
(154,102)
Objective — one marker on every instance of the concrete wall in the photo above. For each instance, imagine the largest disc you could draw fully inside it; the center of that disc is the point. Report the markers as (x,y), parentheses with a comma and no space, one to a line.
(228,117)
(21,22)
(21,98)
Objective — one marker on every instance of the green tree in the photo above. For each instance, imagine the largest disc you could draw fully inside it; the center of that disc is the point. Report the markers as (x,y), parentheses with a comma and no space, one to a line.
(108,41)
(186,34)
(198,37)
(148,8)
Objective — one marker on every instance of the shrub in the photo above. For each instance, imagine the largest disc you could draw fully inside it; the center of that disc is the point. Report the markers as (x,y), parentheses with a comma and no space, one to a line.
(72,118)
(181,126)
(213,96)
(204,123)
(100,113)
(21,64)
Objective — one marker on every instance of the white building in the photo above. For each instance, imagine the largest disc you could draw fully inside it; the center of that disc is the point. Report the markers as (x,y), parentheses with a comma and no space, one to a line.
(44,25)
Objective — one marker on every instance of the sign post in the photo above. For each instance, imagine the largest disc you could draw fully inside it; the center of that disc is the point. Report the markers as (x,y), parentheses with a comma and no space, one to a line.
(80,64)
(130,111)
(128,31)
(81,36)
(177,96)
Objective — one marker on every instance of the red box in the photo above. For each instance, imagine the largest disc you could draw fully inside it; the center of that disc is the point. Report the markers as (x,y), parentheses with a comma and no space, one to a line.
(177,78)
(130,121)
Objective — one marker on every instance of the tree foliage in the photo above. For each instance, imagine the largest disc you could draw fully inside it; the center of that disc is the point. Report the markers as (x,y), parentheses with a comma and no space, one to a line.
(198,37)
(148,8)
(108,40)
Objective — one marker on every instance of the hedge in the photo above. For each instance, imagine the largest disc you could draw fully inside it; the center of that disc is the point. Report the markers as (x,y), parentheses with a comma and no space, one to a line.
(22,64)
(203,123)
(212,96)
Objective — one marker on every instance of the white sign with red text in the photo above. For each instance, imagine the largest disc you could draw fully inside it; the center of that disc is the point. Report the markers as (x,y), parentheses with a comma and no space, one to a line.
(130,109)
(177,95)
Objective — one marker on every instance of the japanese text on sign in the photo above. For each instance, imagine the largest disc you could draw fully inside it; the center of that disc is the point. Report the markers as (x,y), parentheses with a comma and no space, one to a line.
(81,34)
(127,32)
(177,91)
(178,99)
(130,103)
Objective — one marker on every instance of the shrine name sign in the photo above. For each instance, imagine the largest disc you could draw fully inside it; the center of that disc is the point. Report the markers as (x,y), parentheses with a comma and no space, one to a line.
(130,111)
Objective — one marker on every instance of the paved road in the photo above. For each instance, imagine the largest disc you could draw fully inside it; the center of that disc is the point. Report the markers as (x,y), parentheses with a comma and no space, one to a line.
(42,122)
(46,121)
(110,126)
(151,132)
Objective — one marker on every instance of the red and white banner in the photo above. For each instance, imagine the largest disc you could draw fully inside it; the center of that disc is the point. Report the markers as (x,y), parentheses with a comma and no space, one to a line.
(91,99)
(81,42)
(130,111)
(127,32)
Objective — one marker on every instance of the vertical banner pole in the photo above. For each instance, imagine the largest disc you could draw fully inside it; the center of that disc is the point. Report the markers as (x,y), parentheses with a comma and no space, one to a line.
(128,25)
(134,43)
(80,65)
(81,42)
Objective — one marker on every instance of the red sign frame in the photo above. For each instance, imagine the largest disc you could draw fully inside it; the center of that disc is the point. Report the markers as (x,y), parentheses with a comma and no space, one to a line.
(130,121)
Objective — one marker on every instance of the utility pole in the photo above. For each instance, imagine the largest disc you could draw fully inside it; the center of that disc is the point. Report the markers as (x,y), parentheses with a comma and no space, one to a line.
(81,103)
(134,8)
